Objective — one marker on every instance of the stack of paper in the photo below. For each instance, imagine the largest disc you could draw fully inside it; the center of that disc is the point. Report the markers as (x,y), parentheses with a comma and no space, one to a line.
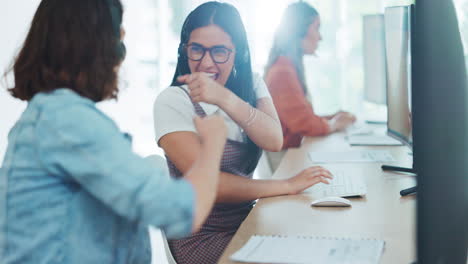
(284,249)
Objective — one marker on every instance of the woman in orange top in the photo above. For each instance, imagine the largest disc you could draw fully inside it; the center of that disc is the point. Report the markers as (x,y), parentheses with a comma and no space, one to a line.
(297,35)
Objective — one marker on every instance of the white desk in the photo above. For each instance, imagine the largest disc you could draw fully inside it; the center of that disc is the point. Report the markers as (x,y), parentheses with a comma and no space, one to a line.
(382,214)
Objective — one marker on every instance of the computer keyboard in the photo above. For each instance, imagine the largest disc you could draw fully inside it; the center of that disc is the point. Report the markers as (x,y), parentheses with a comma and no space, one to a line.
(359,129)
(343,185)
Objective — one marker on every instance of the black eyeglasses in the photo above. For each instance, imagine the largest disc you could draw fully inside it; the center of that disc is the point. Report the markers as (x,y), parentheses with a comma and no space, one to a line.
(196,52)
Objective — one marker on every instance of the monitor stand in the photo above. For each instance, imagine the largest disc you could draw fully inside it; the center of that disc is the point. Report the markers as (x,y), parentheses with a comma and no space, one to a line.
(403,192)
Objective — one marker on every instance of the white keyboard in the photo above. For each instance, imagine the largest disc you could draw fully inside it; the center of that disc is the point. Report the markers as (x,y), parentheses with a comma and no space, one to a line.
(343,185)
(359,129)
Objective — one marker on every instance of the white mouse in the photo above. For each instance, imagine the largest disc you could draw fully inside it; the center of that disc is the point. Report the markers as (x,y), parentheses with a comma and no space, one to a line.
(331,201)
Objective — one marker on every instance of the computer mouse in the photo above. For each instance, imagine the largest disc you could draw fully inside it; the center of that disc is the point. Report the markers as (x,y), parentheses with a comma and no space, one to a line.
(331,201)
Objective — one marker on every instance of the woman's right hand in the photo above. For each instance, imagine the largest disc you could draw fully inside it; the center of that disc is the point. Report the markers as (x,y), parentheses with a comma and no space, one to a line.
(211,129)
(204,89)
(307,178)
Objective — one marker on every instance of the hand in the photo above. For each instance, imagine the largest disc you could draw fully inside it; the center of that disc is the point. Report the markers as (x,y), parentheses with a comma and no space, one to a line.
(204,89)
(348,115)
(211,129)
(329,117)
(341,121)
(307,178)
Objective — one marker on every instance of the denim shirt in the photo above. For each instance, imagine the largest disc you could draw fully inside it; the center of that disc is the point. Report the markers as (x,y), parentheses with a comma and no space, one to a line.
(72,190)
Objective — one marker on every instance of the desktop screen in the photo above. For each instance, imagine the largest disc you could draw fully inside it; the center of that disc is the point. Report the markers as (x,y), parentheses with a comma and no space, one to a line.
(440,130)
(398,53)
(375,75)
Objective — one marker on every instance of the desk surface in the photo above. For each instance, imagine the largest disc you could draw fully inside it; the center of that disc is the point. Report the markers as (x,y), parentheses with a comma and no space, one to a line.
(382,214)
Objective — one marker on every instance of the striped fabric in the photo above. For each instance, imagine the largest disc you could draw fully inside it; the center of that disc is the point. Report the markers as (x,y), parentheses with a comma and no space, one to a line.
(208,244)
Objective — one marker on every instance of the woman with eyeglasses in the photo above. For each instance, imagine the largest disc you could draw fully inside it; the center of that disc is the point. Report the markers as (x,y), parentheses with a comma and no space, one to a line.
(297,35)
(71,189)
(214,77)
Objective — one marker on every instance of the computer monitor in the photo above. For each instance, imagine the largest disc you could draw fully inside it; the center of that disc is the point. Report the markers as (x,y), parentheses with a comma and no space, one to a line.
(440,134)
(398,65)
(375,71)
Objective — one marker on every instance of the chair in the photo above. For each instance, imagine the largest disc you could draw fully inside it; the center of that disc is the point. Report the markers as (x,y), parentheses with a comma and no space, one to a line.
(268,163)
(157,236)
(264,169)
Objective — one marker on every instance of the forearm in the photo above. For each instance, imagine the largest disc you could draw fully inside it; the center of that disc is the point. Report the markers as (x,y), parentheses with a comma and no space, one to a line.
(265,130)
(204,177)
(234,189)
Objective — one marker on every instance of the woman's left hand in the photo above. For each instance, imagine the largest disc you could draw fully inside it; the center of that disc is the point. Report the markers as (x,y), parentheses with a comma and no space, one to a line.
(204,89)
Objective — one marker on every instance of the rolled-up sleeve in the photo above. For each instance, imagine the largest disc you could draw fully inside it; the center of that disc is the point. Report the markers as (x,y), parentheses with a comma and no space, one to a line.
(82,145)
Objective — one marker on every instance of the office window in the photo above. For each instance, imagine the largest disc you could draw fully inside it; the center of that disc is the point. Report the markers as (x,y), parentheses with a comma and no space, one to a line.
(335,76)
(140,75)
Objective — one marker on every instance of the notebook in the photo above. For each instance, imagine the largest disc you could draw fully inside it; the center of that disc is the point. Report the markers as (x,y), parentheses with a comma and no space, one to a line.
(302,249)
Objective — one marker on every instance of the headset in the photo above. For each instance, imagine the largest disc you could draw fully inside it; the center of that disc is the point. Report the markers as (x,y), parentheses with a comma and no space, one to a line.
(116,22)
(181,51)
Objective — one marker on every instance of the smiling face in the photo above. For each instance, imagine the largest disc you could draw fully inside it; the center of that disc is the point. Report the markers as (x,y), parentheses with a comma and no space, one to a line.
(312,38)
(208,37)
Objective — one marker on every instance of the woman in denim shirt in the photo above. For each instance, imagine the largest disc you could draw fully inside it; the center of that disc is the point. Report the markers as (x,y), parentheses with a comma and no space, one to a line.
(71,189)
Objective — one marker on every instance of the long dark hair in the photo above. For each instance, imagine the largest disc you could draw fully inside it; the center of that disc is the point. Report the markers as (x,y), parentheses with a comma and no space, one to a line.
(288,37)
(228,18)
(71,44)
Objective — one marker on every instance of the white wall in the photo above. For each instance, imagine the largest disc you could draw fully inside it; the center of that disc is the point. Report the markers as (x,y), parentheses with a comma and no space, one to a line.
(15,17)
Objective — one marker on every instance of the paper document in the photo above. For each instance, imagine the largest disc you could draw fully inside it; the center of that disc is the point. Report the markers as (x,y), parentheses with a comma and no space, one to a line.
(284,249)
(352,156)
(372,140)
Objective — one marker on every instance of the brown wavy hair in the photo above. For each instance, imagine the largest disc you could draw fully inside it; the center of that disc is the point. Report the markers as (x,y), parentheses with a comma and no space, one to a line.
(71,44)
